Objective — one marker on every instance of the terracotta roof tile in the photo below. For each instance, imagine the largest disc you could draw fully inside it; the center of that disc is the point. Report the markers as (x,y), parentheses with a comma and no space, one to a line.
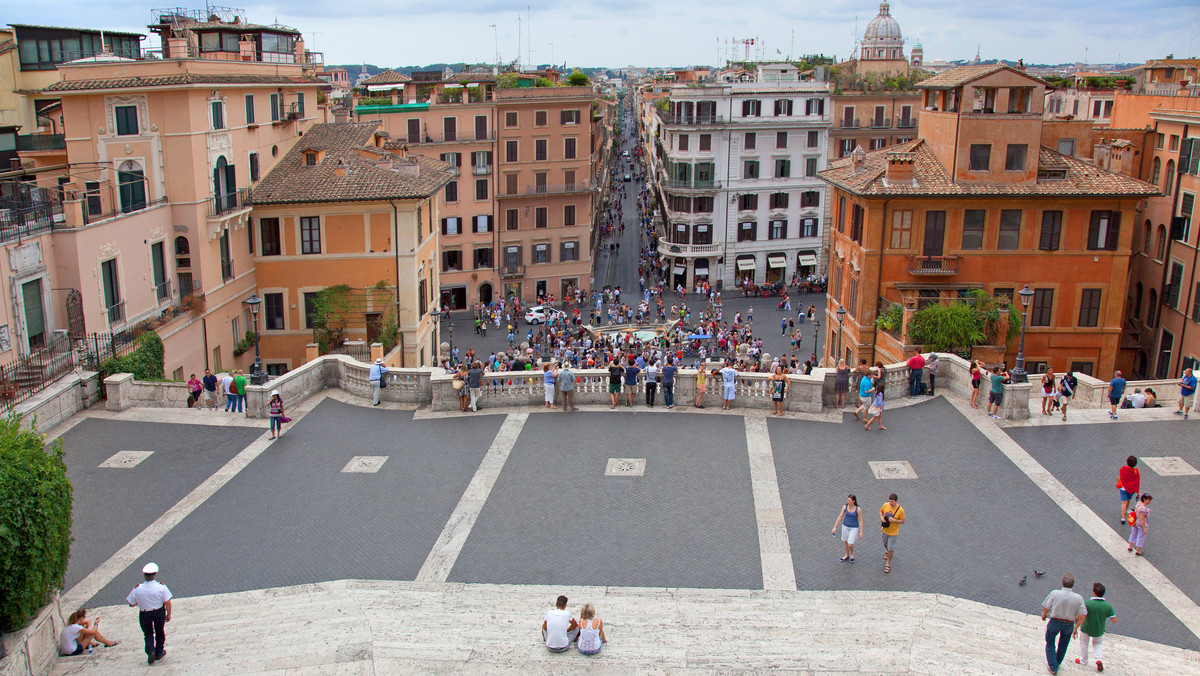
(368,174)
(182,79)
(930,178)
(957,77)
(387,77)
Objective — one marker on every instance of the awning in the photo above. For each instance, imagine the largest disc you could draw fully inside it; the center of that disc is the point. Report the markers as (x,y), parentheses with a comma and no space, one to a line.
(776,261)
(806,259)
(679,269)
(700,264)
(746,264)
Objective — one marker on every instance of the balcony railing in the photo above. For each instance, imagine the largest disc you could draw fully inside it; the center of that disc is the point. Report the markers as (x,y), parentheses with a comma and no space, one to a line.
(668,118)
(551,189)
(509,271)
(848,124)
(481,170)
(30,221)
(226,270)
(162,291)
(229,202)
(880,124)
(40,142)
(906,124)
(673,249)
(465,137)
(934,266)
(116,312)
(691,185)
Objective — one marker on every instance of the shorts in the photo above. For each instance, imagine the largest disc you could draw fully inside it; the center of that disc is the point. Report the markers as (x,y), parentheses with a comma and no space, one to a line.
(78,650)
(975,384)
(702,388)
(849,535)
(864,402)
(729,391)
(614,388)
(889,541)
(630,388)
(1114,400)
(1186,400)
(995,398)
(1126,496)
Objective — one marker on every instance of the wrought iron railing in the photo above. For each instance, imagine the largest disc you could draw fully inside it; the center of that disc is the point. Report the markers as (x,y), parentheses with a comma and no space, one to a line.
(38,142)
(31,374)
(229,202)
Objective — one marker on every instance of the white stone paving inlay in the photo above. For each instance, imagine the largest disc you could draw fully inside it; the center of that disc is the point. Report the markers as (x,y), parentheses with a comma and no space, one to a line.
(126,459)
(1171,465)
(625,467)
(365,464)
(892,469)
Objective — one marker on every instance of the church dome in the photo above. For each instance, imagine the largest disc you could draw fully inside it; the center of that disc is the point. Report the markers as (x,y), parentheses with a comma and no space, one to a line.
(883,27)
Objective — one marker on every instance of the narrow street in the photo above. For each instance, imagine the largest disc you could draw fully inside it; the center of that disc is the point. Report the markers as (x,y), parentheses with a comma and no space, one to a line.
(618,267)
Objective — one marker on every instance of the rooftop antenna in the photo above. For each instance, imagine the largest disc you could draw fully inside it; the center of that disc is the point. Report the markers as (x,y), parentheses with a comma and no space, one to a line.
(529,34)
(518,42)
(496,39)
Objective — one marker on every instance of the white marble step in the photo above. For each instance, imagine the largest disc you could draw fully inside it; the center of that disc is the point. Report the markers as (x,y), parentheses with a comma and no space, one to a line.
(353,627)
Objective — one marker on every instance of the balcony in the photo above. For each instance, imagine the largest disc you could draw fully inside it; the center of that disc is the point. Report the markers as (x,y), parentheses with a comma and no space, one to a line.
(848,124)
(691,185)
(933,266)
(482,170)
(116,312)
(162,291)
(690,120)
(226,270)
(551,189)
(880,124)
(222,206)
(512,271)
(452,137)
(33,143)
(906,124)
(690,250)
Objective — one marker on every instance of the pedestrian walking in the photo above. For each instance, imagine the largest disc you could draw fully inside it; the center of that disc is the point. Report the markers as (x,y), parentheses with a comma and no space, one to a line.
(210,390)
(1099,612)
(1065,611)
(239,386)
(153,601)
(1066,392)
(195,387)
(866,388)
(891,515)
(841,383)
(1116,387)
(229,392)
(877,404)
(275,411)
(850,523)
(1129,484)
(1187,393)
(1140,525)
(376,377)
(1049,394)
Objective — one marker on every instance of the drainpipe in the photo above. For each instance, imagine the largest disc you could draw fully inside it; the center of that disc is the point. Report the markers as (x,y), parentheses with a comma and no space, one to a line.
(396,257)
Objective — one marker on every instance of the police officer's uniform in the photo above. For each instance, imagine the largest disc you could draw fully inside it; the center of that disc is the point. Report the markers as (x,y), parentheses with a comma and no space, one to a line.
(151,598)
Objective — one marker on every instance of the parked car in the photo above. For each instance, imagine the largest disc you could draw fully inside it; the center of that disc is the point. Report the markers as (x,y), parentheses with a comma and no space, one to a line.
(625,154)
(628,178)
(540,314)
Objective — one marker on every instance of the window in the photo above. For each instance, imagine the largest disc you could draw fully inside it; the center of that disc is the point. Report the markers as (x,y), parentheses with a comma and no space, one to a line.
(226,257)
(310,234)
(541,253)
(751,108)
(841,217)
(856,224)
(131,186)
(1051,230)
(751,140)
(779,200)
(483,258)
(539,118)
(539,181)
(783,107)
(249,108)
(450,128)
(254,173)
(781,140)
(809,198)
(682,142)
(1165,345)
(973,221)
(1084,367)
(852,303)
(1152,309)
(748,202)
(681,233)
(1175,281)
(268,232)
(1066,146)
(510,120)
(510,184)
(1014,159)
(539,149)
(1162,243)
(452,260)
(747,232)
(810,166)
(783,168)
(808,227)
(1089,307)
(452,191)
(539,217)
(1156,170)
(878,143)
(751,169)
(1160,140)
(777,230)
(510,151)
(91,191)
(814,106)
(451,225)
(1169,180)
(310,308)
(275,111)
(814,139)
(273,311)
(702,234)
(569,149)
(481,188)
(481,223)
(218,115)
(981,156)
(845,147)
(510,219)
(112,290)
(310,159)
(569,215)
(1174,143)
(705,142)
(1104,230)
(704,205)
(1043,303)
(901,229)
(1187,202)
(569,251)
(570,117)
(127,120)
(1010,230)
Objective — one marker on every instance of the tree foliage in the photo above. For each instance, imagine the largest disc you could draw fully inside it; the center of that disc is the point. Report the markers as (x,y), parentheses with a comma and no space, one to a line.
(35,522)
(145,362)
(507,81)
(578,78)
(963,324)
(331,309)
(844,81)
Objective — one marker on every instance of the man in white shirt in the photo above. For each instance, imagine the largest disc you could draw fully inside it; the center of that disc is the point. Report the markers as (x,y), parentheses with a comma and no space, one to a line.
(559,628)
(153,601)
(227,389)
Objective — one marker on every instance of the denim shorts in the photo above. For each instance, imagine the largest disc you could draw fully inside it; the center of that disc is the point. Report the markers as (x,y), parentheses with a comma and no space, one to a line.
(1126,497)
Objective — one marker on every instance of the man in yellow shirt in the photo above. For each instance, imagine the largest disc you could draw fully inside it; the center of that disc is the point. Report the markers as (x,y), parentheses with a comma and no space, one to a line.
(891,515)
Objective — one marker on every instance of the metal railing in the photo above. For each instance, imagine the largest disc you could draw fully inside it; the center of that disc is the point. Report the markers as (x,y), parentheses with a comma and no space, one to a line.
(512,271)
(221,205)
(481,170)
(162,291)
(693,119)
(671,184)
(848,124)
(880,124)
(116,312)
(39,142)
(113,213)
(31,374)
(30,221)
(908,123)
(226,270)
(933,265)
(552,189)
(423,138)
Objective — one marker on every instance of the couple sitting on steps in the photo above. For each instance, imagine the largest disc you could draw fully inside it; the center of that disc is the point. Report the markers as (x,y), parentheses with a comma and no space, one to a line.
(560,630)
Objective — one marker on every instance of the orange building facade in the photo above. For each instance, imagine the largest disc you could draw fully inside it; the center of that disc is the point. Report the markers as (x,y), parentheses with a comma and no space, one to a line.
(976,202)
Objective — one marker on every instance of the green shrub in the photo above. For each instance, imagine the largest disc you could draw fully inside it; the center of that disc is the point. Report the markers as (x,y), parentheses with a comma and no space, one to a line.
(145,362)
(35,522)
(947,328)
(578,78)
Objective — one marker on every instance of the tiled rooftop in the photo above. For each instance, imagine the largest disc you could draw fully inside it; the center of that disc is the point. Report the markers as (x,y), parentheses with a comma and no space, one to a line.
(387,77)
(180,80)
(957,77)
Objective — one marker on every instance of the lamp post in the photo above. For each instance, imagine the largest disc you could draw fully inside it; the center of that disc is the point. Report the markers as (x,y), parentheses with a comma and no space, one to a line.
(1018,374)
(816,337)
(257,375)
(841,315)
(440,318)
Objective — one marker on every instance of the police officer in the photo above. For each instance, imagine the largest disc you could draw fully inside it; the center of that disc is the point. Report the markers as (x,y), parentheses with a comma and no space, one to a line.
(153,599)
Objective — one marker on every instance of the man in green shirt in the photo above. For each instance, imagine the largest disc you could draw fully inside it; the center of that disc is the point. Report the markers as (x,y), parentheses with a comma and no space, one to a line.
(996,395)
(239,386)
(1099,611)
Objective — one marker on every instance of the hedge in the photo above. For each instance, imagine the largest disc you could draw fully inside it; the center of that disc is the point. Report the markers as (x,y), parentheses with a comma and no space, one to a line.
(145,362)
(35,522)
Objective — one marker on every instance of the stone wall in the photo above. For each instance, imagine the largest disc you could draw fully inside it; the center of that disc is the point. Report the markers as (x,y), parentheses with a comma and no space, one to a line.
(34,650)
(69,395)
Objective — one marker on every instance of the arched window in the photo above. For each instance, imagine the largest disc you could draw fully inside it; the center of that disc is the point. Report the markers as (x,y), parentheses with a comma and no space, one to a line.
(1155,170)
(1170,182)
(1137,302)
(1146,238)
(1162,243)
(224,186)
(131,186)
(1152,309)
(183,251)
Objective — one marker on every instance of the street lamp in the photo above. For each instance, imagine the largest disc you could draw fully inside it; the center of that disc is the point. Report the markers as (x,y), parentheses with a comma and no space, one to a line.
(1018,374)
(440,318)
(841,315)
(816,337)
(257,375)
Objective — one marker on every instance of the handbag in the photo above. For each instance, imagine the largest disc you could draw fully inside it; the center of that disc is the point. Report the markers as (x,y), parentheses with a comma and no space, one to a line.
(457,384)
(285,419)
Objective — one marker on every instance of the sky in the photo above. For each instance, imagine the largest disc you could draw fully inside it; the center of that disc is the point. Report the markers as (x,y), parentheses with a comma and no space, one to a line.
(678,33)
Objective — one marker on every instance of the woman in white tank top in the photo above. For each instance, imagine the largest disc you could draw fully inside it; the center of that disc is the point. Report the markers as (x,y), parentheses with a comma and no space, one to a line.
(591,631)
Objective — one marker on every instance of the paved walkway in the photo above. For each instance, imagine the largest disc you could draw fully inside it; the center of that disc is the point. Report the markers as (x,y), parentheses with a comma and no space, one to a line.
(468,531)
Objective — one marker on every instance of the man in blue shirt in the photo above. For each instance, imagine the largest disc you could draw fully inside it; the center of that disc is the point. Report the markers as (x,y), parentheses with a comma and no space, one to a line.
(631,376)
(1116,387)
(866,388)
(668,372)
(1187,393)
(378,371)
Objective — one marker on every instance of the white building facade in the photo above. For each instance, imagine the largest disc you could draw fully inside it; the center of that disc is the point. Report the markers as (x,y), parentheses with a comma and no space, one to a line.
(737,176)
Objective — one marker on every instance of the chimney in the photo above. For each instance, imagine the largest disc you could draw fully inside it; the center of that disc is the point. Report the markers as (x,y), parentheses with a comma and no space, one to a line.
(858,158)
(407,167)
(900,166)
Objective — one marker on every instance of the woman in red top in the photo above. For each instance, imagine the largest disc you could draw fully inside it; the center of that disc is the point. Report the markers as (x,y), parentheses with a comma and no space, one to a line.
(1130,484)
